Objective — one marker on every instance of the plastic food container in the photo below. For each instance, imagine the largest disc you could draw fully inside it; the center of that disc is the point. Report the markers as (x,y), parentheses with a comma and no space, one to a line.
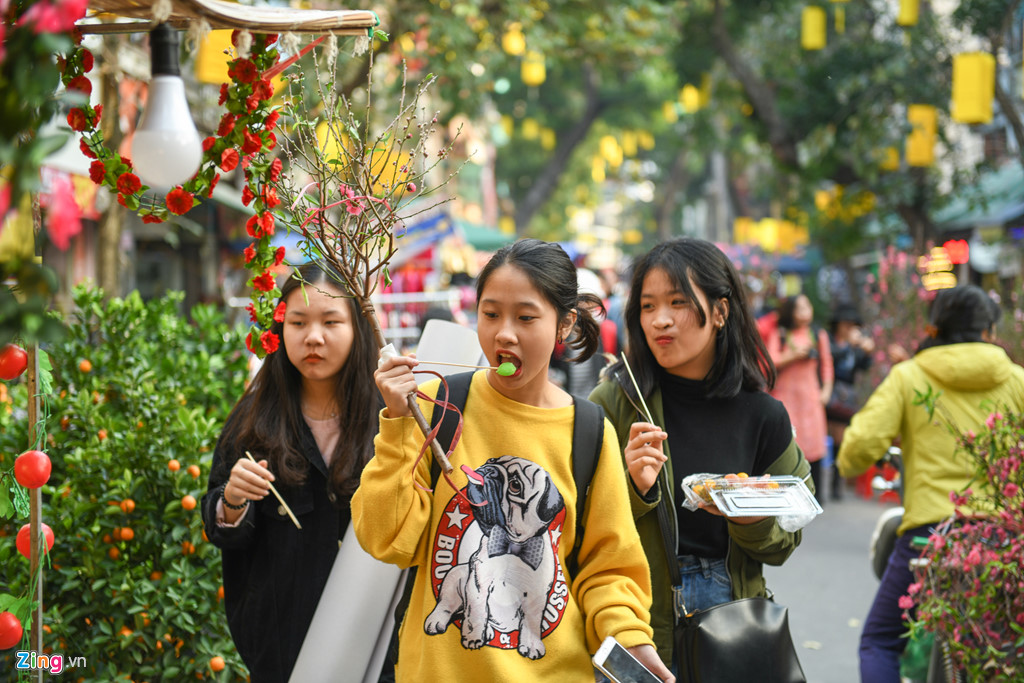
(751,497)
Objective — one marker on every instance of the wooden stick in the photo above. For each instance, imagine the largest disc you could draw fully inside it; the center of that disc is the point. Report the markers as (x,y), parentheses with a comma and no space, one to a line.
(278,495)
(647,411)
(457,365)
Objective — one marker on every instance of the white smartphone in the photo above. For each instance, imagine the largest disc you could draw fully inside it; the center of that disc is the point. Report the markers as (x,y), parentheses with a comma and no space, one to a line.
(615,662)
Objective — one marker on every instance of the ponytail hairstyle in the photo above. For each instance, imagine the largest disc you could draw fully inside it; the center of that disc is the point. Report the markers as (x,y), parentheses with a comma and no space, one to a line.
(553,274)
(960,315)
(268,418)
(741,359)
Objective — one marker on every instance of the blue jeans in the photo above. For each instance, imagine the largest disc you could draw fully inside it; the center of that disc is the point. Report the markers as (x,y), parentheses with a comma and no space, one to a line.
(883,639)
(706,583)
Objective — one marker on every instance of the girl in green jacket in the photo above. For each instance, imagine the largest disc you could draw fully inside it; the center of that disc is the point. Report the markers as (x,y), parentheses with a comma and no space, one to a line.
(702,368)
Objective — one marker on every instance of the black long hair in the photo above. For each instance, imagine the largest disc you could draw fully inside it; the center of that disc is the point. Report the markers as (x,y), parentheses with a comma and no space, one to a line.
(960,315)
(268,418)
(551,271)
(741,359)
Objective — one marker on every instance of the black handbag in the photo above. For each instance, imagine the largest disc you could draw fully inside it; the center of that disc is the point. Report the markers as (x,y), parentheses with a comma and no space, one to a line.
(734,642)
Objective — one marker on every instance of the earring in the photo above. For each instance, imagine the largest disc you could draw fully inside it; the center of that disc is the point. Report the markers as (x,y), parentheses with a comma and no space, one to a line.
(558,340)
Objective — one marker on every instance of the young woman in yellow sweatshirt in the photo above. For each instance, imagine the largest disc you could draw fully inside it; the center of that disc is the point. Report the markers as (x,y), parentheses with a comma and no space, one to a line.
(493,598)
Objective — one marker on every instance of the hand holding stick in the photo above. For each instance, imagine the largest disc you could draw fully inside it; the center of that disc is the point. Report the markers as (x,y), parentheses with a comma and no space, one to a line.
(278,496)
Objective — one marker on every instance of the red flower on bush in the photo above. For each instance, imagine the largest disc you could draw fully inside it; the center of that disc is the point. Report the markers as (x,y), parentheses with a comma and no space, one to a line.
(78,120)
(279,311)
(269,341)
(247,195)
(179,201)
(229,159)
(265,282)
(252,227)
(87,61)
(267,223)
(223,93)
(250,254)
(279,256)
(81,84)
(263,89)
(128,183)
(96,171)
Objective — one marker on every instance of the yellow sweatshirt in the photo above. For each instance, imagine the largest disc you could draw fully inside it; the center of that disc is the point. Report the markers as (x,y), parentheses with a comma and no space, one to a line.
(974,379)
(492,599)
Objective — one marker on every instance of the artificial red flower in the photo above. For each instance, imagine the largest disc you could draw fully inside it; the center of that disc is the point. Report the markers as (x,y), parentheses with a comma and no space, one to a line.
(270,123)
(128,183)
(243,71)
(227,123)
(279,311)
(83,145)
(271,141)
(213,184)
(269,341)
(252,227)
(223,93)
(77,119)
(229,159)
(179,201)
(354,206)
(251,143)
(247,195)
(96,172)
(267,223)
(250,253)
(252,312)
(252,103)
(279,258)
(269,38)
(262,89)
(208,143)
(152,218)
(99,112)
(275,170)
(264,282)
(87,61)
(248,342)
(120,200)
(81,84)
(127,162)
(270,199)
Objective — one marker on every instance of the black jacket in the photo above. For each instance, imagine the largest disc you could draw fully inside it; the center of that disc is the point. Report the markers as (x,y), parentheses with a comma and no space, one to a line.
(274,573)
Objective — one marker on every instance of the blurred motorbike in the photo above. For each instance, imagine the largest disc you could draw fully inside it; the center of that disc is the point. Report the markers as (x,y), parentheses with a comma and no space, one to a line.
(940,667)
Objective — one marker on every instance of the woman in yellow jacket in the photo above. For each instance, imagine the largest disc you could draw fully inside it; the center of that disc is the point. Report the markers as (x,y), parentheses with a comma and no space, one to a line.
(972,376)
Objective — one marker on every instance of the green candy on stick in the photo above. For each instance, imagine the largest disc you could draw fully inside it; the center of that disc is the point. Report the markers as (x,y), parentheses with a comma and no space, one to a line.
(506,369)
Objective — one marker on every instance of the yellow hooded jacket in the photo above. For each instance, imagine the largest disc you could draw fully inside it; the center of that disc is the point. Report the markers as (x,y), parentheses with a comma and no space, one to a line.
(974,379)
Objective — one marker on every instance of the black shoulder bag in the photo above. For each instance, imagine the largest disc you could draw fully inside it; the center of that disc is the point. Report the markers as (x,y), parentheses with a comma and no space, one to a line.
(734,642)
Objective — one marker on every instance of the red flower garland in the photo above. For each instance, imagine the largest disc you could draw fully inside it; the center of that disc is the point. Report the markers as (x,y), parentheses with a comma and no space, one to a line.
(245,136)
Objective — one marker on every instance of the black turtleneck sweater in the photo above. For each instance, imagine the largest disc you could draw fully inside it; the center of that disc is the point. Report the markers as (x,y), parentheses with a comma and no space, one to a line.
(745,433)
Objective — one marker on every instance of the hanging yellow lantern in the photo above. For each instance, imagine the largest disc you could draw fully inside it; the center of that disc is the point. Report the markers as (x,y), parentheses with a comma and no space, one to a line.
(908,12)
(890,159)
(530,129)
(690,97)
(548,141)
(668,110)
(812,28)
(840,16)
(532,71)
(974,83)
(513,41)
(921,141)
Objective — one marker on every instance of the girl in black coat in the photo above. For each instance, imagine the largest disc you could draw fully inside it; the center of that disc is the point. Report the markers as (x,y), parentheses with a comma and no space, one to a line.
(308,418)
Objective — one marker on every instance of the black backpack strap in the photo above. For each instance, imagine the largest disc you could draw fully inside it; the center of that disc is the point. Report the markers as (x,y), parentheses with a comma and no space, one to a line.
(458,392)
(587,438)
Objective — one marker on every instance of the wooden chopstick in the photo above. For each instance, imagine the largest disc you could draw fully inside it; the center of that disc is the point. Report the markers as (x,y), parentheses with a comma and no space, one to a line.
(278,495)
(647,411)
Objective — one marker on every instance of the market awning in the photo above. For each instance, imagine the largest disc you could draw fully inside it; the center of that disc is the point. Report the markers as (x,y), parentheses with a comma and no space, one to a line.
(483,238)
(997,199)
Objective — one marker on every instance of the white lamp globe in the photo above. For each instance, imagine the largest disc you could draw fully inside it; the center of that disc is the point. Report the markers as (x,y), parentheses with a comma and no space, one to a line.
(166,149)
